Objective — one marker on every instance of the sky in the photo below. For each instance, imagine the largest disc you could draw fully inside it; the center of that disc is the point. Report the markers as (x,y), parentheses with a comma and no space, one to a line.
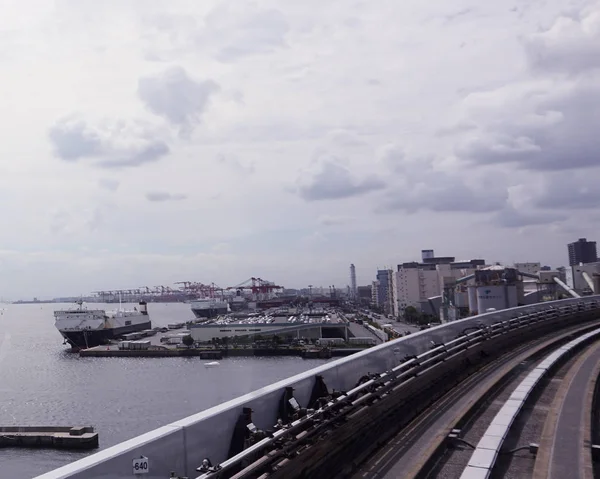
(149,142)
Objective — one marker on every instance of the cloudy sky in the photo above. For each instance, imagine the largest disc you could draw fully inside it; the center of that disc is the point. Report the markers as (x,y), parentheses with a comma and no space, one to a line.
(148,142)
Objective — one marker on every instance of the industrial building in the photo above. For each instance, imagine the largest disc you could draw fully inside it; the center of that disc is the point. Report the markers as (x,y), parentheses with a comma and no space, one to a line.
(494,288)
(416,282)
(285,330)
(586,278)
(530,268)
(582,251)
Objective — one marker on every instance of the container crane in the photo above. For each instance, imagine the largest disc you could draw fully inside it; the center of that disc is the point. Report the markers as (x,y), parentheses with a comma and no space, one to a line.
(259,288)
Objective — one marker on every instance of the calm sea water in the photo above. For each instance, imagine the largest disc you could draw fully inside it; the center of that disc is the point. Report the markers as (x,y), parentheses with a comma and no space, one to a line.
(42,384)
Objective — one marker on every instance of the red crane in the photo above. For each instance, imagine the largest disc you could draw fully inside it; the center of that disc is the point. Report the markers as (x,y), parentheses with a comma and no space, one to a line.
(257,286)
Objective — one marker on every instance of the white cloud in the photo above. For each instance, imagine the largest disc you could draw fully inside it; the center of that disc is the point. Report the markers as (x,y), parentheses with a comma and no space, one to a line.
(158,196)
(175,96)
(572,43)
(108,145)
(108,184)
(157,141)
(331,180)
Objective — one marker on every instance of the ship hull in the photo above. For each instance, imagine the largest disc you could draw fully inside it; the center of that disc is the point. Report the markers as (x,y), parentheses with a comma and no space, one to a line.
(89,339)
(208,312)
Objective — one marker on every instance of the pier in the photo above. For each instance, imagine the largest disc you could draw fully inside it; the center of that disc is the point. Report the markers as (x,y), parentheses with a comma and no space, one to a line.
(49,437)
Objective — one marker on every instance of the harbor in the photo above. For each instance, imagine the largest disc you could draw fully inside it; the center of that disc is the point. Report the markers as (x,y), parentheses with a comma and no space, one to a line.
(216,330)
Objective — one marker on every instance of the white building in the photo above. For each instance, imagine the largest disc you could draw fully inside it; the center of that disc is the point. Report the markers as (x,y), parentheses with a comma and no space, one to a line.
(416,282)
(375,293)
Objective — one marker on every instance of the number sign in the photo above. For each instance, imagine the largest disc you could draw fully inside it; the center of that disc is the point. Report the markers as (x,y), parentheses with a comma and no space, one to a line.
(141,466)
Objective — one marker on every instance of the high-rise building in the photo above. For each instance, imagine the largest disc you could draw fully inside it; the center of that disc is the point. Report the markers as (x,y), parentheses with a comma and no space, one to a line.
(375,293)
(582,251)
(352,281)
(385,295)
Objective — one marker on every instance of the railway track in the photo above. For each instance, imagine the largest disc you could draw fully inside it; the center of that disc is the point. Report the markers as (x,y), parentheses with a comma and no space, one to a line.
(423,449)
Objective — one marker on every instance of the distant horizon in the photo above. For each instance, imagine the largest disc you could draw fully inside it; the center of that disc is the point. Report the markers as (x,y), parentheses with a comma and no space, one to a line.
(338,288)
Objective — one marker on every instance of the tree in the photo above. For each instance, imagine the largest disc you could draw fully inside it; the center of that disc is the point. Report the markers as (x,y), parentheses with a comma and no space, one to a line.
(411,314)
(188,340)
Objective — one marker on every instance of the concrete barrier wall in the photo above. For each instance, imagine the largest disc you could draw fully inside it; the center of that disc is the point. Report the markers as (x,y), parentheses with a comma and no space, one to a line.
(382,335)
(181,446)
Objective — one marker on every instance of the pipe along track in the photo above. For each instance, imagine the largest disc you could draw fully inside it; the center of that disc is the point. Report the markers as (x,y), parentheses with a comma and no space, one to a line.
(345,430)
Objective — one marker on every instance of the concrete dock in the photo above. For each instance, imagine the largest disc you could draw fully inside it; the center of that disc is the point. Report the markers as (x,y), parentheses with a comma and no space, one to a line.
(49,437)
(160,349)
(216,354)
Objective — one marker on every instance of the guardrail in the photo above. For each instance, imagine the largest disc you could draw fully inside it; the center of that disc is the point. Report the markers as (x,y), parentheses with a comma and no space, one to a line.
(183,445)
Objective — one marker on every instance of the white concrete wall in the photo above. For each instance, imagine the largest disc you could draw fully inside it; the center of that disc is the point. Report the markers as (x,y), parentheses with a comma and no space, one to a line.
(429,284)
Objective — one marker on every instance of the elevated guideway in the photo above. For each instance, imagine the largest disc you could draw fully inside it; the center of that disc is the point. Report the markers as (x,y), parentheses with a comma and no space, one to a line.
(229,436)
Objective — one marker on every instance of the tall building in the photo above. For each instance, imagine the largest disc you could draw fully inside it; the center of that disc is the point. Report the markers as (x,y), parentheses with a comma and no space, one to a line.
(582,251)
(375,293)
(384,294)
(352,281)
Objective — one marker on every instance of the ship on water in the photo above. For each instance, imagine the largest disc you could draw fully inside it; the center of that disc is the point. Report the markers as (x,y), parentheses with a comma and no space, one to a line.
(86,328)
(206,308)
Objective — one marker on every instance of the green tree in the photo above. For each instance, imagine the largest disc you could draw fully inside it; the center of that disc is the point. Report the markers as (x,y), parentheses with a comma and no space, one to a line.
(411,314)
(188,340)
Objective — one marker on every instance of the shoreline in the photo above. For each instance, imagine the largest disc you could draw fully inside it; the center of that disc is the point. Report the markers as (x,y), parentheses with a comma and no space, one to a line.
(218,353)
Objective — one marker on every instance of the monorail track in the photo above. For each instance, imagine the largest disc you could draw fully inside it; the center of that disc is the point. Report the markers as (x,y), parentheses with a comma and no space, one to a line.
(424,447)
